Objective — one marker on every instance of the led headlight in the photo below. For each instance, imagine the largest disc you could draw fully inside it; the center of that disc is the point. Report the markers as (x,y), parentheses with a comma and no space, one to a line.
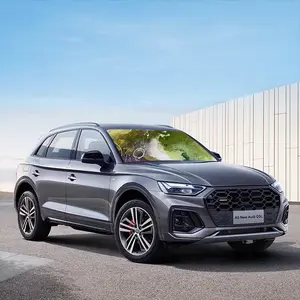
(276,185)
(180,188)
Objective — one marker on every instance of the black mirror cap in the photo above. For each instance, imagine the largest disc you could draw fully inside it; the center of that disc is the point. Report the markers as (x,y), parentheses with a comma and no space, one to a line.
(94,157)
(217,155)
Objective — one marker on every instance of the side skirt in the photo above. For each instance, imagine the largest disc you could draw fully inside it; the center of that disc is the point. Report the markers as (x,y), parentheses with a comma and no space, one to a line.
(108,230)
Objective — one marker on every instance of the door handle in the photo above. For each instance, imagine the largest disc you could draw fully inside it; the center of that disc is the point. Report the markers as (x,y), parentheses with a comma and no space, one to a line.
(72,177)
(36,173)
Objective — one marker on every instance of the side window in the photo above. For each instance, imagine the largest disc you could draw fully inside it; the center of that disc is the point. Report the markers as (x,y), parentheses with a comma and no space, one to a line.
(91,140)
(61,146)
(43,148)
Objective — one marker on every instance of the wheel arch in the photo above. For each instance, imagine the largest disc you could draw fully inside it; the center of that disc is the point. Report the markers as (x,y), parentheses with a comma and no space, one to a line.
(23,185)
(130,191)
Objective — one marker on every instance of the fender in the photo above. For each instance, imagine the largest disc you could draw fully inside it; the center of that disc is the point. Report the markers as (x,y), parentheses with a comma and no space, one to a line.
(131,186)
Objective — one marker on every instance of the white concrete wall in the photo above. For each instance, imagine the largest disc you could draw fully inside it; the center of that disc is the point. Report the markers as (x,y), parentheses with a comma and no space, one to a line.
(261,130)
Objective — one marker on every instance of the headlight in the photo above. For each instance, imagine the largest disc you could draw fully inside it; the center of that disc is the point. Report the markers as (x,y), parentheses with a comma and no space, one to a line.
(180,188)
(276,185)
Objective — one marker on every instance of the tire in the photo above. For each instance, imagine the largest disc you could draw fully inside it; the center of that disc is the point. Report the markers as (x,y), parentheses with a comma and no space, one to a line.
(38,230)
(157,248)
(257,246)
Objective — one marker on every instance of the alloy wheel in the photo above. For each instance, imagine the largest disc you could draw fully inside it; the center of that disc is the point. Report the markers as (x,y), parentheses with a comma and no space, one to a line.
(27,215)
(136,231)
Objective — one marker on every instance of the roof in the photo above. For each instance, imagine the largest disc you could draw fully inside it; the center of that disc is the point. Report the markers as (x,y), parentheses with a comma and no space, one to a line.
(133,126)
(112,126)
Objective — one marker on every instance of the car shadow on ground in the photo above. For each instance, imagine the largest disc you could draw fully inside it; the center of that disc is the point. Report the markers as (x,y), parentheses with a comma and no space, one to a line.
(281,256)
(96,243)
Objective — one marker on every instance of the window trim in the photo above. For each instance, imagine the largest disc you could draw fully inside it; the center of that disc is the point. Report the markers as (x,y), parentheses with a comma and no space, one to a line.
(51,136)
(72,147)
(74,156)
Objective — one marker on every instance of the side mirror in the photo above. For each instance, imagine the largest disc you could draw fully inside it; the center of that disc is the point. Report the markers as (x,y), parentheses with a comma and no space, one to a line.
(93,157)
(217,155)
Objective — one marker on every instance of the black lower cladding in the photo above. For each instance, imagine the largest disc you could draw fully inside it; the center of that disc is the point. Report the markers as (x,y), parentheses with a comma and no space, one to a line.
(221,203)
(185,221)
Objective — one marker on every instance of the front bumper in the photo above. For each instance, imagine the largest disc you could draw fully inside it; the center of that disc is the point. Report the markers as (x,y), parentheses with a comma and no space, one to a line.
(206,230)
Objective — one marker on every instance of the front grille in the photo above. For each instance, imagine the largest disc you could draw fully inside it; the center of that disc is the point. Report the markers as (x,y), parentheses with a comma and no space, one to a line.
(221,203)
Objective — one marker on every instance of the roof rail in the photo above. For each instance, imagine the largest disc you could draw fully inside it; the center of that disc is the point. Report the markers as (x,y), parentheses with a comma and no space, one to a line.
(76,124)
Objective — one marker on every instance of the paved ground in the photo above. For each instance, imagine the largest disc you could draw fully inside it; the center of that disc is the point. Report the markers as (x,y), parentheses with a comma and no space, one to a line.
(74,265)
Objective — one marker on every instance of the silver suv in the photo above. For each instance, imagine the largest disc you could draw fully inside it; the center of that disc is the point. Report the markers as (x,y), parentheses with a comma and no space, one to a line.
(150,186)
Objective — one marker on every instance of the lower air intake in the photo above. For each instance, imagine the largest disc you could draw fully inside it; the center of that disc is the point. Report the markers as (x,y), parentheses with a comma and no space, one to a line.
(185,221)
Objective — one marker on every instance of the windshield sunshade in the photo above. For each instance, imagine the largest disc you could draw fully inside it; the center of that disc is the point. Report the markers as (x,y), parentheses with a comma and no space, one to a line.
(157,145)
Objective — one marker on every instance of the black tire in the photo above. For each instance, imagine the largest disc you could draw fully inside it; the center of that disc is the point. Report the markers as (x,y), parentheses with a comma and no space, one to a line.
(156,251)
(257,246)
(41,228)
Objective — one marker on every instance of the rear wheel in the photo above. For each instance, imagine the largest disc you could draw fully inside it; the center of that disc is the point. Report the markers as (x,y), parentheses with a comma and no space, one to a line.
(136,233)
(255,246)
(30,222)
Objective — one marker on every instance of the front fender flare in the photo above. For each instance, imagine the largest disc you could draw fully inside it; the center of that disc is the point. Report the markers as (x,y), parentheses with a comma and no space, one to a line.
(133,186)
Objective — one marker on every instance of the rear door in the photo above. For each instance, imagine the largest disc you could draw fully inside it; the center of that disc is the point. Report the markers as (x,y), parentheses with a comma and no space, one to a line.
(49,172)
(87,186)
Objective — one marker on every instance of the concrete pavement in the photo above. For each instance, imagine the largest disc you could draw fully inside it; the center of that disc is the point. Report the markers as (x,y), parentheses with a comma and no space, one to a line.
(76,265)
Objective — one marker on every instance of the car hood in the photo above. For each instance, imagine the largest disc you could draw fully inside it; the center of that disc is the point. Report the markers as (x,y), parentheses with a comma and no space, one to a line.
(204,173)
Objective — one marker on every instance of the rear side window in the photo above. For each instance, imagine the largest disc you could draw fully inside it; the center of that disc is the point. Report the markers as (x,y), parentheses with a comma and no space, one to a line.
(62,145)
(41,152)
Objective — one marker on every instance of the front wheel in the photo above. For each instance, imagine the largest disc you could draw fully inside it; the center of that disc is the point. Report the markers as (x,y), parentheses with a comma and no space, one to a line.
(136,233)
(255,246)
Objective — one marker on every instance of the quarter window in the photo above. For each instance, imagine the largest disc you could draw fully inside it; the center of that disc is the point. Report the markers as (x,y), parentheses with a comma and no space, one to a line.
(62,145)
(43,148)
(91,140)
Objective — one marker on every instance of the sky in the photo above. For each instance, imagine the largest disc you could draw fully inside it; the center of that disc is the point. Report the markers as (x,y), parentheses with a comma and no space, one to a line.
(135,61)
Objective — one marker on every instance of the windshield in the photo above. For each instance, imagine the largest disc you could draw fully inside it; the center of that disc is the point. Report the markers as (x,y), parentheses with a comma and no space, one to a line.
(136,145)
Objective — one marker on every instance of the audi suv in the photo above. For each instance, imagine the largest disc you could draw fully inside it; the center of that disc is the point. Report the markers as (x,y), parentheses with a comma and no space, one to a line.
(150,186)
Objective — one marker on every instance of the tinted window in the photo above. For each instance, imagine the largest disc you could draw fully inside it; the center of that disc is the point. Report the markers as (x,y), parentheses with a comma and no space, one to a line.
(61,146)
(91,140)
(43,148)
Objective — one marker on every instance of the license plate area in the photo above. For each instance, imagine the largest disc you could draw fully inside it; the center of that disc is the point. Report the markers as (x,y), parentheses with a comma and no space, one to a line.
(243,217)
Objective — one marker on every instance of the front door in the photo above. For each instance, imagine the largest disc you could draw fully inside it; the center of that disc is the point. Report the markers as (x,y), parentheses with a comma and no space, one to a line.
(87,187)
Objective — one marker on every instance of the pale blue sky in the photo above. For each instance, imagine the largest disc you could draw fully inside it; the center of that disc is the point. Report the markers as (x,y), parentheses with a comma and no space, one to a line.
(139,61)
(133,53)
